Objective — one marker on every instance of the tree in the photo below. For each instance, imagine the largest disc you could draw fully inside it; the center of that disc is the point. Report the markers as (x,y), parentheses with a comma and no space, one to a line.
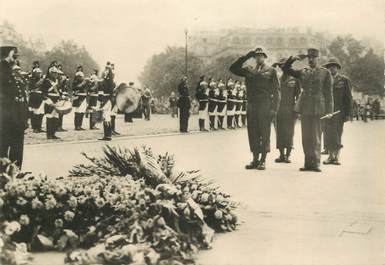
(360,64)
(163,71)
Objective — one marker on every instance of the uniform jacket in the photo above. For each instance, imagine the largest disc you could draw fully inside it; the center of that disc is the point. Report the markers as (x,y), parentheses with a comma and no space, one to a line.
(316,97)
(13,100)
(262,84)
(290,91)
(342,95)
(184,96)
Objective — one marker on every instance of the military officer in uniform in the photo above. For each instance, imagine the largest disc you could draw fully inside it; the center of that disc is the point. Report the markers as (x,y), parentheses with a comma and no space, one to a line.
(63,83)
(36,97)
(262,88)
(238,103)
(202,96)
(343,102)
(13,108)
(286,116)
(315,101)
(184,105)
(80,93)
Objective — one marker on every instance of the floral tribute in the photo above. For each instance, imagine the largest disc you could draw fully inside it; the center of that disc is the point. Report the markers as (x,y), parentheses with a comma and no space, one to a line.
(126,207)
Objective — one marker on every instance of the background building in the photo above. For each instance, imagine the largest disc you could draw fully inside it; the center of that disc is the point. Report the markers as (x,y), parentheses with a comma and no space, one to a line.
(279,42)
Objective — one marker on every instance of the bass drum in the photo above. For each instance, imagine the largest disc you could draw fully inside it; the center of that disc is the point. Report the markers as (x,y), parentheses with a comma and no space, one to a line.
(63,106)
(127,98)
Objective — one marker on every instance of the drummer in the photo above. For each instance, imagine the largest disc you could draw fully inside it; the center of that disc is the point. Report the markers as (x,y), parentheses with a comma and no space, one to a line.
(93,103)
(79,103)
(36,97)
(51,96)
(63,81)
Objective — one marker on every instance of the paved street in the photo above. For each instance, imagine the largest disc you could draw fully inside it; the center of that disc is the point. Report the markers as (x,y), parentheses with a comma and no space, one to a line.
(288,217)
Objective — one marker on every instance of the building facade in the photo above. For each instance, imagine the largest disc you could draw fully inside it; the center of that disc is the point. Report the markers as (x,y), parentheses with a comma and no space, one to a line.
(279,42)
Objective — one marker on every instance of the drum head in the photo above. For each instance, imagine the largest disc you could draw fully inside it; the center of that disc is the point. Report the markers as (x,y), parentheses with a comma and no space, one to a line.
(127,98)
(63,106)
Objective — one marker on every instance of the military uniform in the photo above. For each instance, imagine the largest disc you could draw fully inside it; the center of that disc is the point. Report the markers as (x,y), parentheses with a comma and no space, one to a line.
(13,110)
(79,88)
(221,101)
(51,96)
(315,101)
(184,105)
(286,116)
(213,103)
(342,97)
(36,99)
(93,104)
(203,100)
(63,91)
(244,104)
(262,88)
(231,101)
(238,104)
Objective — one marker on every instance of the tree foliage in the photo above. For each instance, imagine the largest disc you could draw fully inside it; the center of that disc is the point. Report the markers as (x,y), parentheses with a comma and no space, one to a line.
(361,64)
(67,52)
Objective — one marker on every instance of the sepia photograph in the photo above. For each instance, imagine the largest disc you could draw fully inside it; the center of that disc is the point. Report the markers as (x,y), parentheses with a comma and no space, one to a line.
(192,132)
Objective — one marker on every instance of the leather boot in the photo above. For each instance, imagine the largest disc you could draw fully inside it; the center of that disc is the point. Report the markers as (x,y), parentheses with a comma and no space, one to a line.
(113,126)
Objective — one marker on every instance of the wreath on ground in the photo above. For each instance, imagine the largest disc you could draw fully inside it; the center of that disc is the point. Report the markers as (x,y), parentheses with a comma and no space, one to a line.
(126,207)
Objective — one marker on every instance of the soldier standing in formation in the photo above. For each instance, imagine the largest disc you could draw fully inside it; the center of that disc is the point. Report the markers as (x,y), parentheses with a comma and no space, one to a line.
(316,100)
(231,101)
(80,94)
(184,104)
(222,99)
(93,93)
(36,98)
(172,100)
(213,102)
(146,101)
(202,96)
(13,108)
(51,96)
(342,97)
(286,116)
(244,103)
(63,82)
(262,87)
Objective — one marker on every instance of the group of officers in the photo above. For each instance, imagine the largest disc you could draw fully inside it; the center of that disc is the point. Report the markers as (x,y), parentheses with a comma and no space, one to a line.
(321,95)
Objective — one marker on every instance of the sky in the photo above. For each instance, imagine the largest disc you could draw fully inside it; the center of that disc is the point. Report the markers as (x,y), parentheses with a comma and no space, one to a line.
(129,32)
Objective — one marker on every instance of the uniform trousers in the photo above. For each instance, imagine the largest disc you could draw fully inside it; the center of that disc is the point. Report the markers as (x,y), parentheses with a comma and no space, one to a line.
(311,139)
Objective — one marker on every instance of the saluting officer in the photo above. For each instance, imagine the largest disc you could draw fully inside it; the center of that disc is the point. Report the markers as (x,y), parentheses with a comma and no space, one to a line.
(315,101)
(79,103)
(202,96)
(286,116)
(343,101)
(238,103)
(262,88)
(13,108)
(36,97)
(222,102)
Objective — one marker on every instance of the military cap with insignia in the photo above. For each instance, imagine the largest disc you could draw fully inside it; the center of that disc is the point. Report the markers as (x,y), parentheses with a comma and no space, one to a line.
(333,62)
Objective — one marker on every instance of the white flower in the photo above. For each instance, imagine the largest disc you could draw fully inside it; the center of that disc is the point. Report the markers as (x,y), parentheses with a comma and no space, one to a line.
(1,202)
(68,216)
(37,204)
(24,219)
(21,201)
(12,227)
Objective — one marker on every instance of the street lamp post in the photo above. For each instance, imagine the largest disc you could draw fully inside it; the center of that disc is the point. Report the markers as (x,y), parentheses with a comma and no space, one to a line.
(185,59)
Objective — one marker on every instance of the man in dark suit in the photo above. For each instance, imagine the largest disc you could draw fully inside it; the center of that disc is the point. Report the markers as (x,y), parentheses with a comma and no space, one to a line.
(184,105)
(13,108)
(343,102)
(262,88)
(315,101)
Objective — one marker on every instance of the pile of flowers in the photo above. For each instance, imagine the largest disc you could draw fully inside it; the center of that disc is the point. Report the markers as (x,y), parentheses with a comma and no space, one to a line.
(127,207)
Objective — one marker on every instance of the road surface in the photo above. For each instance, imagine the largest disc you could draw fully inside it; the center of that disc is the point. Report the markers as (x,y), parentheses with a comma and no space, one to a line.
(288,217)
